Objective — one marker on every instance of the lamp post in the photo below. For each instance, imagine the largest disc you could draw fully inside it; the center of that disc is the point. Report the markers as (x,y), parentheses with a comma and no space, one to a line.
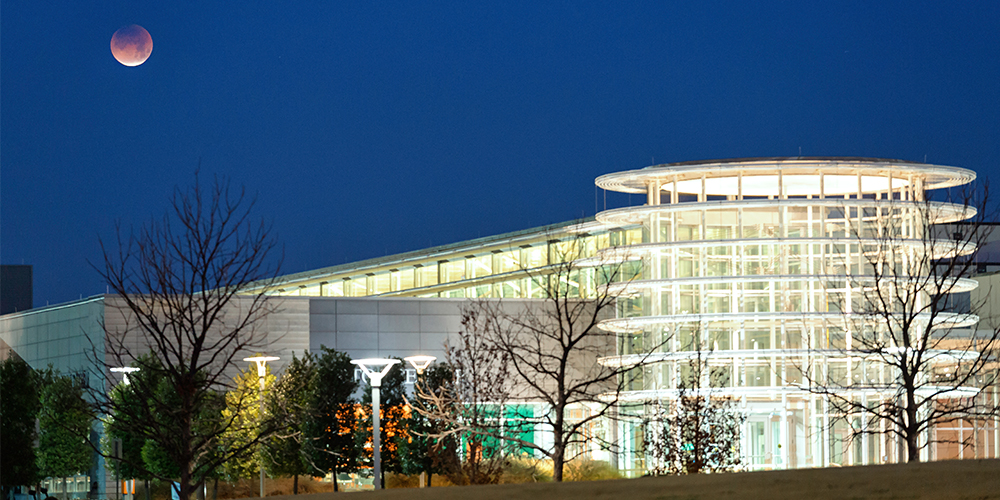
(116,445)
(420,363)
(261,368)
(368,366)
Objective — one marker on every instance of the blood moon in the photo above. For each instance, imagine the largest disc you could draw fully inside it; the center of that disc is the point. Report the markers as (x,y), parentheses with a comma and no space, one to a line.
(131,45)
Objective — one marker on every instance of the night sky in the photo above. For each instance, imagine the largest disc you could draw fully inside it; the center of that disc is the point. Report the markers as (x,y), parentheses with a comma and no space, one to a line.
(372,128)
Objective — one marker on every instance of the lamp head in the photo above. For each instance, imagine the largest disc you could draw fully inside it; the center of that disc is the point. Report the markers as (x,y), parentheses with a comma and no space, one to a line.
(369,365)
(125,370)
(421,362)
(261,362)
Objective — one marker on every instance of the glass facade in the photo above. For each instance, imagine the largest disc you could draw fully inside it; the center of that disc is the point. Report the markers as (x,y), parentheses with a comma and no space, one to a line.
(765,266)
(490,267)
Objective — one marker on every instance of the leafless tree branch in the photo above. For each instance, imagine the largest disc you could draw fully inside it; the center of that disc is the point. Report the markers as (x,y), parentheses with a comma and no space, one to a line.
(917,358)
(178,312)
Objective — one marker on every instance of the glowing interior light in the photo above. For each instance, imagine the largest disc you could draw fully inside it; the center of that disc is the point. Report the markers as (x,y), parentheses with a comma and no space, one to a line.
(793,185)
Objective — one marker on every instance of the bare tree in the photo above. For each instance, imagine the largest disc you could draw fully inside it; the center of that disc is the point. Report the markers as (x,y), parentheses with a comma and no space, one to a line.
(551,348)
(467,407)
(908,357)
(181,317)
(698,431)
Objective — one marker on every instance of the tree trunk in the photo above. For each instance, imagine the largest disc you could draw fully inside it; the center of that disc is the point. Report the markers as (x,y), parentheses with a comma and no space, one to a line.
(912,431)
(184,488)
(336,485)
(559,447)
(912,447)
(295,484)
(558,461)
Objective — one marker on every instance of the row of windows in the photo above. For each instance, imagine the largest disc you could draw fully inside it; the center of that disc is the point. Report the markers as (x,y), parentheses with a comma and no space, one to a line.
(794,297)
(770,259)
(761,372)
(755,297)
(799,222)
(73,484)
(470,267)
(728,335)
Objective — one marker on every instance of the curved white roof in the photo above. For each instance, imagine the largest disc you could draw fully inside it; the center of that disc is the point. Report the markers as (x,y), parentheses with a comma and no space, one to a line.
(800,176)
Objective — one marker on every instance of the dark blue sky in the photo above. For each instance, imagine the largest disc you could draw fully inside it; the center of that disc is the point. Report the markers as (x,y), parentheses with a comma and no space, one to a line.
(371,128)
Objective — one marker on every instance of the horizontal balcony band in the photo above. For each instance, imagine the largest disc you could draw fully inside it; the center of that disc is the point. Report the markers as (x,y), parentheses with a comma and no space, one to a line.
(799,391)
(725,357)
(937,249)
(638,324)
(861,283)
(934,212)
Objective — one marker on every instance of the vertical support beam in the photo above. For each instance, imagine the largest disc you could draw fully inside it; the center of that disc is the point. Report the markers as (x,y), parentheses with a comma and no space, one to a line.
(745,450)
(808,426)
(884,450)
(784,437)
(996,425)
(653,192)
(825,440)
(864,435)
(656,257)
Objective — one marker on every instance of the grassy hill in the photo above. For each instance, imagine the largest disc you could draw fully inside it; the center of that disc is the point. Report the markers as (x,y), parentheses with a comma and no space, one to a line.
(967,479)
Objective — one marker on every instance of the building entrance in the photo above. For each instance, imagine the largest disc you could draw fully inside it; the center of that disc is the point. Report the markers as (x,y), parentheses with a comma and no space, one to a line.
(764,442)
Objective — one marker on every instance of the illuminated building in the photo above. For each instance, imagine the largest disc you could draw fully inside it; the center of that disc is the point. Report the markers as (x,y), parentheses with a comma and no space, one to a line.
(758,259)
(761,263)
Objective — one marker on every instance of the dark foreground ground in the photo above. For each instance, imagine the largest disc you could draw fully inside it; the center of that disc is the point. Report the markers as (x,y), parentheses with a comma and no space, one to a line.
(968,479)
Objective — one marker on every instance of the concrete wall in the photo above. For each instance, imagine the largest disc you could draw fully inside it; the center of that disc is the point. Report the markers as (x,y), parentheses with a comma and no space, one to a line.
(62,335)
(386,327)
(284,331)
(361,327)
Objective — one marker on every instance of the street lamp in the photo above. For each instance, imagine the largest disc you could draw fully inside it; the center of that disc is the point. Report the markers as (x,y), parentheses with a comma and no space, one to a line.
(420,363)
(261,362)
(368,366)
